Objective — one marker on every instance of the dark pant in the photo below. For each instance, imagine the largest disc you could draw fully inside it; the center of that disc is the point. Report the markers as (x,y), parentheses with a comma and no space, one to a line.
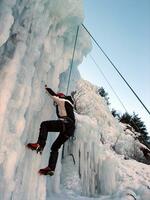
(66,128)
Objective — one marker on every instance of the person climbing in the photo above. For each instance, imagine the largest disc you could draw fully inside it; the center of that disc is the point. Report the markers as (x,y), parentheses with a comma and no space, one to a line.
(65,125)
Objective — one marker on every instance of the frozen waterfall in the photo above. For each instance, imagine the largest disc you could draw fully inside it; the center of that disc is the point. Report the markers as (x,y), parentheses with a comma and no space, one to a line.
(36,45)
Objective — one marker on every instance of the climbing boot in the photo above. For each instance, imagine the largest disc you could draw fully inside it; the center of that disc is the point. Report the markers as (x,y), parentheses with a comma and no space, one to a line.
(35,147)
(46,171)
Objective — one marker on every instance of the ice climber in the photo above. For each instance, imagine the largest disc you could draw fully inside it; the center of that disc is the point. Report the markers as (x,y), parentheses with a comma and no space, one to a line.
(65,125)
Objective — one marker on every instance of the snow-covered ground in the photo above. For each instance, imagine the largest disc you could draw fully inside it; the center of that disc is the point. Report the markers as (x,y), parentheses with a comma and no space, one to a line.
(36,45)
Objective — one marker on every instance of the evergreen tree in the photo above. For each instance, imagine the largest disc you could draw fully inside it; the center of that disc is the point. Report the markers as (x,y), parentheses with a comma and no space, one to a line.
(115,114)
(103,93)
(137,124)
(126,118)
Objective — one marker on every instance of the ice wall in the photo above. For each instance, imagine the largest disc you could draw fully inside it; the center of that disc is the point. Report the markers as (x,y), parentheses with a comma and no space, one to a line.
(96,162)
(36,45)
(96,132)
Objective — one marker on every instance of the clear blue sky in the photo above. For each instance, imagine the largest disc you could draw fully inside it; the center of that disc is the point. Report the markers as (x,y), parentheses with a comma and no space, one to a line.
(122,28)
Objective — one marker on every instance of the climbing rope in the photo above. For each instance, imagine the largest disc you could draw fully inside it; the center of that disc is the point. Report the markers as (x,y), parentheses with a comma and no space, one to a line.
(116,69)
(108,83)
(72,59)
(69,78)
(116,97)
